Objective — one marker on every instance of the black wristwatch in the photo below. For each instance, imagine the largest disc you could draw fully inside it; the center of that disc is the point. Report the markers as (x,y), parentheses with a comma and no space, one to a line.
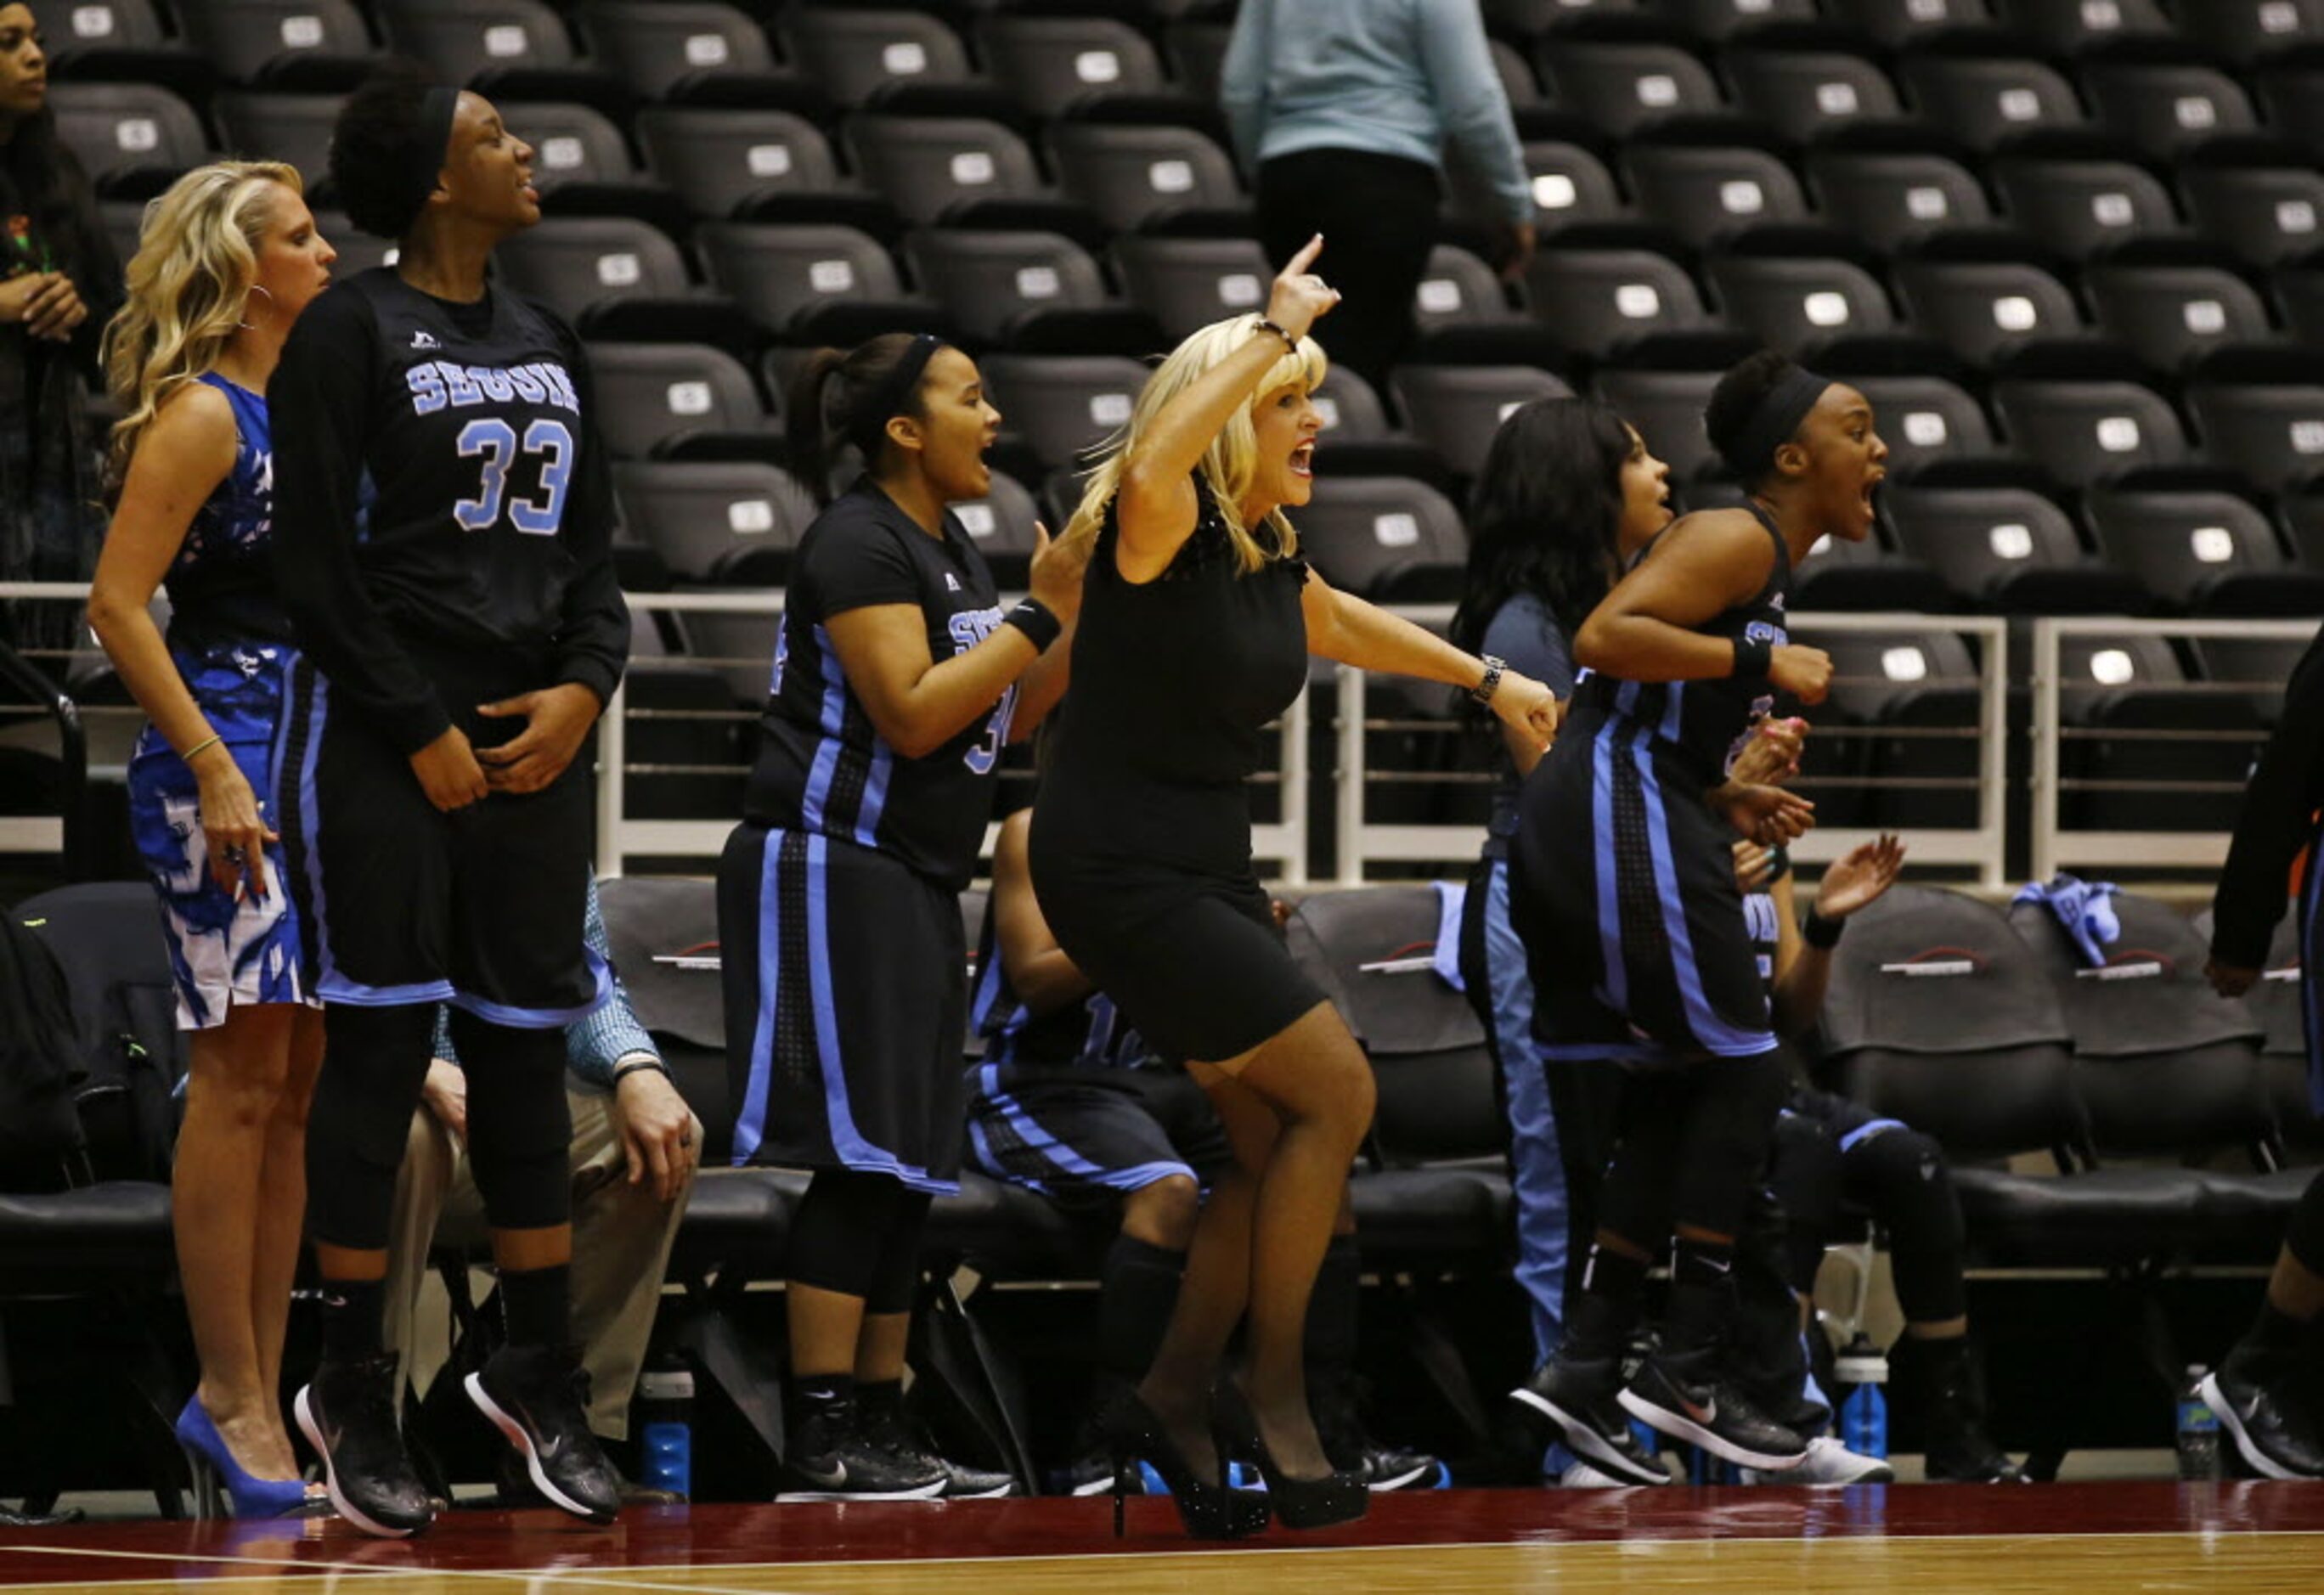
(1492,683)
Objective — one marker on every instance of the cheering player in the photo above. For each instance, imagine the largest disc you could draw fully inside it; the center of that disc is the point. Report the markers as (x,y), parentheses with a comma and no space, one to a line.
(443,514)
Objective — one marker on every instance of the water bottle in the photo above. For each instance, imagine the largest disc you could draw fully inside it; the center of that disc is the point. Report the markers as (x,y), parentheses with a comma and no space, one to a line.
(1860,1370)
(2198,1430)
(666,1424)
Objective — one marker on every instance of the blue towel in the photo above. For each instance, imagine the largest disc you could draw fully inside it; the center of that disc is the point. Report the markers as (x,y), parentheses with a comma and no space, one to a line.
(1451,895)
(2082,907)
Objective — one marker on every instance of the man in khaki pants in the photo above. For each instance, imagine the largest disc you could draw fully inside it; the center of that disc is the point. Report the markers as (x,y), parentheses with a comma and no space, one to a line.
(635,1146)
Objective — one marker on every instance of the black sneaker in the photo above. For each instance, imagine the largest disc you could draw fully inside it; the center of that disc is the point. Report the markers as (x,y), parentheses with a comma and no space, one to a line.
(1091,1474)
(1582,1399)
(512,1484)
(887,1423)
(2271,1431)
(347,1412)
(1339,1425)
(1945,1381)
(1689,1397)
(539,1397)
(1399,1467)
(830,1460)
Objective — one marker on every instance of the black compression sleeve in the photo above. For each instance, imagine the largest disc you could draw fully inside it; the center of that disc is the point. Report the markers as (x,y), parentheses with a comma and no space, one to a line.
(2276,819)
(592,642)
(317,405)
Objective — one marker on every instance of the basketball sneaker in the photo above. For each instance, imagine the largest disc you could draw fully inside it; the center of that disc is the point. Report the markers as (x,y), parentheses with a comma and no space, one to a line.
(347,1412)
(1828,1461)
(1945,1381)
(2273,1435)
(1584,1398)
(1339,1425)
(1689,1397)
(538,1398)
(887,1425)
(831,1459)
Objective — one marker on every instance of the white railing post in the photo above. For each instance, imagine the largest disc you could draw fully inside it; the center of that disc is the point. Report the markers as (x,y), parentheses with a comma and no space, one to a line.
(1993,757)
(1294,787)
(2045,750)
(613,755)
(1348,849)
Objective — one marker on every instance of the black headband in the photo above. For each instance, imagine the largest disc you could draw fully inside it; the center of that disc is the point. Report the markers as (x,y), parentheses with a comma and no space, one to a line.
(1779,415)
(868,420)
(431,140)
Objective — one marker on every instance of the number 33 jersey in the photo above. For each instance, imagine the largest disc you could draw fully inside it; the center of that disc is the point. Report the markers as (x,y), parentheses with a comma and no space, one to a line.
(453,444)
(822,766)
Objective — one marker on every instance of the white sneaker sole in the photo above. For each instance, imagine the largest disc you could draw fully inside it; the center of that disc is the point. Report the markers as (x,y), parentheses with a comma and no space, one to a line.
(2216,1400)
(515,1433)
(1409,1476)
(345,1507)
(931,1492)
(1679,1426)
(1587,1441)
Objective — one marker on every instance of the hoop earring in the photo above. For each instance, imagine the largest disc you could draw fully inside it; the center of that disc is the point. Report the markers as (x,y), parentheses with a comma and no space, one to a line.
(254,287)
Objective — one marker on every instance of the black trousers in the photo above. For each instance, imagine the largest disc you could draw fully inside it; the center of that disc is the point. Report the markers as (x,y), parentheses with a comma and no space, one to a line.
(1377,216)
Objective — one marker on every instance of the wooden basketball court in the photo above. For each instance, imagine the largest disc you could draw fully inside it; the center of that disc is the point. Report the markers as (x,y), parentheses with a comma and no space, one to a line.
(2104,1537)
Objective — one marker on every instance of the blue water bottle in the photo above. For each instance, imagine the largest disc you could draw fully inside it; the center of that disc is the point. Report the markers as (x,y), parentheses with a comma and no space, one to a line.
(1860,1370)
(2198,1430)
(666,1424)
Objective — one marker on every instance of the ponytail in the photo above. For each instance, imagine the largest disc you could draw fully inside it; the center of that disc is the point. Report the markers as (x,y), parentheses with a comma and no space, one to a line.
(877,380)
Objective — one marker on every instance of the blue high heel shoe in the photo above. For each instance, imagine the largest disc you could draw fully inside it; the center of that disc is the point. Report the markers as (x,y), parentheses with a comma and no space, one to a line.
(216,1474)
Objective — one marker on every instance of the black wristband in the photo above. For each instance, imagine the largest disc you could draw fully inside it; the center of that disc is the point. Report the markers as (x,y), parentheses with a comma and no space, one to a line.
(634,1063)
(1032,617)
(1820,932)
(1753,656)
(1265,325)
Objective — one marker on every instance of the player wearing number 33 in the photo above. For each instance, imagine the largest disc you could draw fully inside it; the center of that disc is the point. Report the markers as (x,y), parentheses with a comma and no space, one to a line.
(443,520)
(898,678)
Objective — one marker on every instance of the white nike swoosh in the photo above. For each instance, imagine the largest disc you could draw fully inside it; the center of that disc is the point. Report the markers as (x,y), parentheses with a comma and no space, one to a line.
(835,1479)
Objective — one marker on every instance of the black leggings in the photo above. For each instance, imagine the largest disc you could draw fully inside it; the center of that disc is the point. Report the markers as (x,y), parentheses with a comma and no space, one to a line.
(859,1235)
(374,1061)
(1690,1146)
(2305,1239)
(1377,216)
(1900,1177)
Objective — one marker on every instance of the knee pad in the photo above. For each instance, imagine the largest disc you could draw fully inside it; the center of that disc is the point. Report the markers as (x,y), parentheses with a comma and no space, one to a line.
(520,1125)
(839,1234)
(1911,1192)
(361,1119)
(897,1280)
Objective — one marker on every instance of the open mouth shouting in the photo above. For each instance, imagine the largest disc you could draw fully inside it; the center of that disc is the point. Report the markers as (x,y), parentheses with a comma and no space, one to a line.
(1303,461)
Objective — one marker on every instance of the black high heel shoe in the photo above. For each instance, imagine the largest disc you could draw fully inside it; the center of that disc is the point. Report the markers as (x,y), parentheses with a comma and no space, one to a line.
(1209,1511)
(1297,1503)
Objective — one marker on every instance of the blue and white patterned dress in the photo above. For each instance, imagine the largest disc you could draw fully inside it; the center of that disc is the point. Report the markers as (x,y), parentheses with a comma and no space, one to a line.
(231,644)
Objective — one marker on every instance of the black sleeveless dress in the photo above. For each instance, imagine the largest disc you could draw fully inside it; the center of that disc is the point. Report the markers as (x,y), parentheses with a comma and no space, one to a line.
(1623,879)
(1140,845)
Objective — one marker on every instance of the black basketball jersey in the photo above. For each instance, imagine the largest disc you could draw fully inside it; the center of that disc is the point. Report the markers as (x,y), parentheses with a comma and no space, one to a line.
(822,767)
(451,445)
(1702,725)
(1090,1032)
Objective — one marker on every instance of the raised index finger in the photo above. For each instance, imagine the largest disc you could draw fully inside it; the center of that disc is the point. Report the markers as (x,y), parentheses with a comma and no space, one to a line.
(1305,258)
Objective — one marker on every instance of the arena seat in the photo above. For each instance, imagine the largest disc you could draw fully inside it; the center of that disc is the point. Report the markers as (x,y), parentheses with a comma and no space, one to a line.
(733,521)
(2207,552)
(2006,548)
(2165,106)
(2249,32)
(787,276)
(2069,27)
(929,166)
(1918,688)
(494,45)
(2266,213)
(1595,300)
(1569,185)
(291,127)
(2270,431)
(1988,101)
(1893,198)
(1973,1049)
(1983,310)
(573,264)
(721,160)
(2134,692)
(1001,525)
(1808,95)
(666,49)
(1035,291)
(1800,305)
(1187,283)
(1896,22)
(1387,538)
(121,132)
(858,53)
(2172,317)
(254,40)
(2084,433)
(2163,1064)
(1060,405)
(1135,176)
(1704,193)
(656,396)
(1926,421)
(1051,65)
(1621,86)
(1457,408)
(2079,207)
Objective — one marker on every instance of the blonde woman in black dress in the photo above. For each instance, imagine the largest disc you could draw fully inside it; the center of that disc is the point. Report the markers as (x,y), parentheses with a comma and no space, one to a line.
(1197,621)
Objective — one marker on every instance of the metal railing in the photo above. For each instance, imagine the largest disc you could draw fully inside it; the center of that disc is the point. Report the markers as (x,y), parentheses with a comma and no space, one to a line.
(2055,844)
(1361,842)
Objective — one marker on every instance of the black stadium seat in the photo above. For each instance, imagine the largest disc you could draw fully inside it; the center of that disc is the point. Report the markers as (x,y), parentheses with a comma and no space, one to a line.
(715,520)
(2271,432)
(1595,300)
(654,394)
(1187,283)
(1890,199)
(720,160)
(1799,305)
(1811,94)
(1704,192)
(572,144)
(857,53)
(1988,101)
(2158,755)
(2264,213)
(783,276)
(1666,407)
(1926,421)
(2164,108)
(662,46)
(2082,433)
(2079,207)
(117,128)
(572,263)
(2007,548)
(2068,27)
(249,40)
(461,41)
(1983,310)
(1061,405)
(292,127)
(996,283)
(2248,31)
(2207,552)
(2172,317)
(1457,408)
(1385,539)
(1570,185)
(1896,22)
(1051,64)
(926,165)
(1130,177)
(1621,88)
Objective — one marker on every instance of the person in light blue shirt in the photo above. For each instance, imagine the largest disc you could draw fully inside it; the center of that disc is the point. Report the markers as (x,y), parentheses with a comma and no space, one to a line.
(1339,112)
